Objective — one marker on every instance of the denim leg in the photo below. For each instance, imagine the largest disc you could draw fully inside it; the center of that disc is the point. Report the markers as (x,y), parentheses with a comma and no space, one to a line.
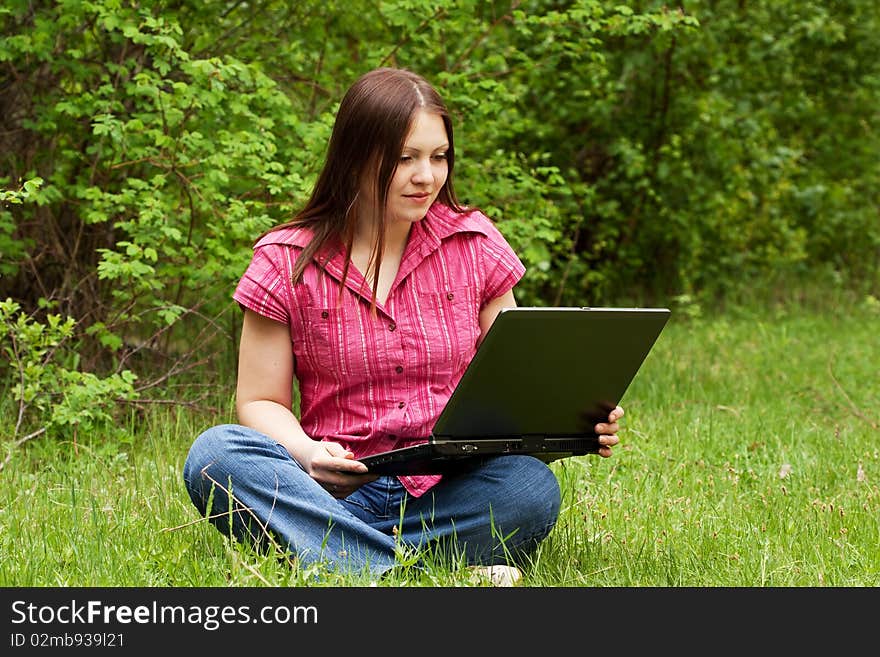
(500,508)
(492,510)
(495,510)
(273,495)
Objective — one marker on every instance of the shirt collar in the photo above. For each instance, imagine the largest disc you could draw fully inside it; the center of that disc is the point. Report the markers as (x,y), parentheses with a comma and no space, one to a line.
(426,236)
(444,221)
(293,236)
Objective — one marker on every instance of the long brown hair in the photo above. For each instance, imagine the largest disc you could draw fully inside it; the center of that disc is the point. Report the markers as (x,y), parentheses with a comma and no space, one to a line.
(372,123)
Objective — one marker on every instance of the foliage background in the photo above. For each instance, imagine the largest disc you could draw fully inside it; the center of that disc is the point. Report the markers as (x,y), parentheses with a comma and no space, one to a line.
(691,155)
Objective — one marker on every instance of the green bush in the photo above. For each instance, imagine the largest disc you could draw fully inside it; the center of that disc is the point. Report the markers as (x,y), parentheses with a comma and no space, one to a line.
(629,155)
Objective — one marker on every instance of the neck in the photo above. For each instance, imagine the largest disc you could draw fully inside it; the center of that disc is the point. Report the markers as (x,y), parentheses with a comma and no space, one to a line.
(396,235)
(388,261)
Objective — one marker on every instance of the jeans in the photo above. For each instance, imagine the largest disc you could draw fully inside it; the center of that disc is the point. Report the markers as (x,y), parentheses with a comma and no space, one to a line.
(496,510)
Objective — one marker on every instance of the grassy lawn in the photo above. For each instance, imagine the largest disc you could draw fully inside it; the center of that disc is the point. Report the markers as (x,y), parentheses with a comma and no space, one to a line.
(750,457)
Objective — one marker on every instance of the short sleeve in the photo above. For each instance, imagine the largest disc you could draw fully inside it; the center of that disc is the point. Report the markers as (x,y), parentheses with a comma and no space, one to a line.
(265,285)
(502,266)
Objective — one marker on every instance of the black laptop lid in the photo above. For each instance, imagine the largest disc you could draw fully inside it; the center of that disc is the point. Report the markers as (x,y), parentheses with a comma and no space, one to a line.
(550,371)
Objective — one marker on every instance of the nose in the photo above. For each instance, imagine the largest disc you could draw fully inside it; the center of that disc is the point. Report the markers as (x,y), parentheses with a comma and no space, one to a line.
(422,172)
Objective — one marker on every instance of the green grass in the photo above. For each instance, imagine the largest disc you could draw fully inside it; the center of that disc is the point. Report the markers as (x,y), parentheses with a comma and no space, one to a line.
(750,457)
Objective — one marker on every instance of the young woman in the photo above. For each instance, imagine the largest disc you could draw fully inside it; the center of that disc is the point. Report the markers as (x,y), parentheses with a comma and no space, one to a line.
(373,298)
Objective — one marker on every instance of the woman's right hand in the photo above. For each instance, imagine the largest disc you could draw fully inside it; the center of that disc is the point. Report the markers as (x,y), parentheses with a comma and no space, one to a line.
(335,468)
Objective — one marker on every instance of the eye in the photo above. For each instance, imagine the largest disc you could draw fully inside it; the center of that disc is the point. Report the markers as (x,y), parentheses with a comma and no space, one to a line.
(439,157)
(405,158)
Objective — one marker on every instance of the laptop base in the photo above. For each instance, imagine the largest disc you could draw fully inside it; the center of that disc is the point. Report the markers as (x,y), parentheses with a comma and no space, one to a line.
(454,456)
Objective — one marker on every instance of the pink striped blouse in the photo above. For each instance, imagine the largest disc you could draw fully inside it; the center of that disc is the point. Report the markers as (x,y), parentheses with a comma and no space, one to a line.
(378,382)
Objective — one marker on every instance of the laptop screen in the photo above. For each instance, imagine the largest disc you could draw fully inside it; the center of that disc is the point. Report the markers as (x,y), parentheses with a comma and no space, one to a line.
(550,371)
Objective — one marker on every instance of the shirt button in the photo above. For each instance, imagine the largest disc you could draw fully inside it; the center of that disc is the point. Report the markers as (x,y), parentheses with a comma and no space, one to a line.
(401,404)
(450,296)
(392,327)
(398,369)
(324,314)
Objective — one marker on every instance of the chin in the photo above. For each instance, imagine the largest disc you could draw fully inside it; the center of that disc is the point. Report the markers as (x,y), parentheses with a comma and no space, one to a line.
(409,217)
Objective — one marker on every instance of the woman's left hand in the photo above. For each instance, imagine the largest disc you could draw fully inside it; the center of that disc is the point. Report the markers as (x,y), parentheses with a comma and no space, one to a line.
(607,432)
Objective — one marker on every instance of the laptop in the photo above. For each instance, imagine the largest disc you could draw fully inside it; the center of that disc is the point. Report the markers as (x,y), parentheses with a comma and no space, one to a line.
(539,382)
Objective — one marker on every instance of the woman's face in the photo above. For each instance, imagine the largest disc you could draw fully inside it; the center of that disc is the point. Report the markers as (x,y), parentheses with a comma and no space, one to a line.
(421,171)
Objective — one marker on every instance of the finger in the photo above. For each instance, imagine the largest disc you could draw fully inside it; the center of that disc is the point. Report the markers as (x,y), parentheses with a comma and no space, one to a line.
(606,429)
(615,414)
(348,466)
(346,481)
(341,462)
(335,449)
(344,485)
